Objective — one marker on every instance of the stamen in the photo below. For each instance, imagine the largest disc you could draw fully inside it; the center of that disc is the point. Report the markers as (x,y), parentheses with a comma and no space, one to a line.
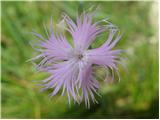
(80,56)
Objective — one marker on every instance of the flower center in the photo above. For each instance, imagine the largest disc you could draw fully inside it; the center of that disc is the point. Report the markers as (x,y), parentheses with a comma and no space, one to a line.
(77,54)
(80,56)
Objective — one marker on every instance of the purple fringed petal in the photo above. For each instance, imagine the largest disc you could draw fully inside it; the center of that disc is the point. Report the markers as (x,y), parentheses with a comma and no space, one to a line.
(84,31)
(64,75)
(88,84)
(56,47)
(104,55)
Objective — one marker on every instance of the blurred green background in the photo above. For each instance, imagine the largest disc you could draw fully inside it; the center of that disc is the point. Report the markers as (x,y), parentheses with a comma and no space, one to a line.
(136,96)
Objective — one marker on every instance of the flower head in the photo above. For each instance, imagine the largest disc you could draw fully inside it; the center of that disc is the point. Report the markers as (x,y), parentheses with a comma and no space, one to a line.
(70,67)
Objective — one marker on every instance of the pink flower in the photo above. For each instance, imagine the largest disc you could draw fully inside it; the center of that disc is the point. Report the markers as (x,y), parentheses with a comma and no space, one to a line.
(70,68)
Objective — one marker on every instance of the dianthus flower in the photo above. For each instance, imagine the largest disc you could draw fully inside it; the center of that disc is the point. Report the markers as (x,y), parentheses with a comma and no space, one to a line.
(70,67)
